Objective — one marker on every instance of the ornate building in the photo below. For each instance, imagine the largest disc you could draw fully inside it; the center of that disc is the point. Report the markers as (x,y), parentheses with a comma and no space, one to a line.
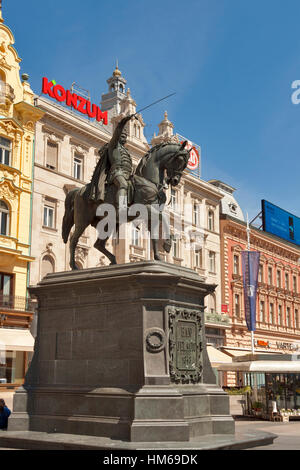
(18,117)
(66,153)
(278,298)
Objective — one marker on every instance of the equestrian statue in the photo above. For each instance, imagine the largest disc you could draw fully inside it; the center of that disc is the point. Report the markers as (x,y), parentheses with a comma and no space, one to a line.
(113,182)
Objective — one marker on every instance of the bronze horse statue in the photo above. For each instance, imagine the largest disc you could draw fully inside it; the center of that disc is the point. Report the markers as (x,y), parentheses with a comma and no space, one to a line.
(148,182)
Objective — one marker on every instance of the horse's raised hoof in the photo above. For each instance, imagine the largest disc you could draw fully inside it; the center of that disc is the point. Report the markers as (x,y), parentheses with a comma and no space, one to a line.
(157,258)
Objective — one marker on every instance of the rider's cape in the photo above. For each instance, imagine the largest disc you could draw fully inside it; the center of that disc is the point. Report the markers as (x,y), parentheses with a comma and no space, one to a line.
(97,184)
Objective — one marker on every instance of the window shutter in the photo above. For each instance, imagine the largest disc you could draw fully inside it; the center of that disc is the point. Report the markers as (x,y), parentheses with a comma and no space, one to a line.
(52,150)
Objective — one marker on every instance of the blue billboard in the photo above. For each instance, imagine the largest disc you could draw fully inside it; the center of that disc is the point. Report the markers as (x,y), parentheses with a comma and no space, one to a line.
(280,222)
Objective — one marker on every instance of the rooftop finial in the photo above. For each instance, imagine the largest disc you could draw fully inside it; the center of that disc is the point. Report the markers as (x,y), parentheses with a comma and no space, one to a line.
(117,72)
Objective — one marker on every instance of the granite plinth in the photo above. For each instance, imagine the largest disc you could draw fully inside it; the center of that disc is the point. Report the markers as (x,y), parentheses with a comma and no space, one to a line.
(108,362)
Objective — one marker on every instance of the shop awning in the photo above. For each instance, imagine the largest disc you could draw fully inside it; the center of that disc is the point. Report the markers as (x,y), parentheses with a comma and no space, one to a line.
(217,357)
(13,339)
(280,367)
(235,352)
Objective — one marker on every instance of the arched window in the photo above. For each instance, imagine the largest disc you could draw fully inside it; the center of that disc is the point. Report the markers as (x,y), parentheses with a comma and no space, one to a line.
(121,88)
(48,265)
(4,218)
(211,304)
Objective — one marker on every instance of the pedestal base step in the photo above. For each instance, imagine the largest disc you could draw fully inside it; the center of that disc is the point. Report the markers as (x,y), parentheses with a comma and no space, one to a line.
(31,440)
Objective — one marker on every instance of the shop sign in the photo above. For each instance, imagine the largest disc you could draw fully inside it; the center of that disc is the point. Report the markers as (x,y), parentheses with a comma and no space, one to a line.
(82,105)
(260,342)
(224,308)
(288,346)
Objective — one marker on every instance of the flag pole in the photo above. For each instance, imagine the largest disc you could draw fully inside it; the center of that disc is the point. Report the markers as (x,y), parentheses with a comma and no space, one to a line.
(248,248)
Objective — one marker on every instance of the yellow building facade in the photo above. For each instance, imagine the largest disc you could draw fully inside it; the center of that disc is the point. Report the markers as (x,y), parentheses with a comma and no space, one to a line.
(18,116)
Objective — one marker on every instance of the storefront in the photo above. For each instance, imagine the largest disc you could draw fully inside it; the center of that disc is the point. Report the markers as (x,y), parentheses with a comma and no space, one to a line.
(273,381)
(16,348)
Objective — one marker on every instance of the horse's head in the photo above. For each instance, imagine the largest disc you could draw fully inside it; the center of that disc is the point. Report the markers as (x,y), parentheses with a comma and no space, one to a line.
(176,164)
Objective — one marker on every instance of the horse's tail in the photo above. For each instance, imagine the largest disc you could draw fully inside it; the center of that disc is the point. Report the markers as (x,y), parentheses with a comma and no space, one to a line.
(68,219)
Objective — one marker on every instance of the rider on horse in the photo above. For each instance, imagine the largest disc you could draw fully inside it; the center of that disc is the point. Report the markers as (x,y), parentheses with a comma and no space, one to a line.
(114,166)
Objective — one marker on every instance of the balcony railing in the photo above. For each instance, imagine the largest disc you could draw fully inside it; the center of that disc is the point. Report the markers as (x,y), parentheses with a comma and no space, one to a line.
(14,302)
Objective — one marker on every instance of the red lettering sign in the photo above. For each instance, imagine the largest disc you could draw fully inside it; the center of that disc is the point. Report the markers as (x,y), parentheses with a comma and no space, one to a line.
(224,308)
(73,100)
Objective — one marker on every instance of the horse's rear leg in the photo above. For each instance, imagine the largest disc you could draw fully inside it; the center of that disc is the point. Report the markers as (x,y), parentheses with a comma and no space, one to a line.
(73,243)
(100,245)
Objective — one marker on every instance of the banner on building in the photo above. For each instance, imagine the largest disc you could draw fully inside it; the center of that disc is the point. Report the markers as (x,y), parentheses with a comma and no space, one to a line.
(250,267)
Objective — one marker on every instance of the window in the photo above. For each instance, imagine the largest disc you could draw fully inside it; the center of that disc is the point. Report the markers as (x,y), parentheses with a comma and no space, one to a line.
(175,247)
(173,199)
(296,318)
(77,167)
(135,236)
(279,315)
(4,218)
(271,319)
(198,258)
(48,266)
(237,308)
(236,264)
(6,283)
(286,281)
(51,156)
(262,311)
(48,220)
(211,222)
(270,276)
(196,218)
(278,278)
(212,261)
(261,273)
(288,316)
(295,284)
(5,151)
(211,303)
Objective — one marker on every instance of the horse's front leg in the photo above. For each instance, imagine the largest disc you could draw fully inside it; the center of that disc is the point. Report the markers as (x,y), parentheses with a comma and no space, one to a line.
(100,245)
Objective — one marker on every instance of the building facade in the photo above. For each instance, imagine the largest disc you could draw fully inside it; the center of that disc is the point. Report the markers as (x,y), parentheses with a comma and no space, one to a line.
(278,295)
(66,153)
(18,117)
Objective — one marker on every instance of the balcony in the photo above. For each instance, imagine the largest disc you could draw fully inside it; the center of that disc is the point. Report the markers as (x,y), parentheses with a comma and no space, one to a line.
(217,319)
(16,303)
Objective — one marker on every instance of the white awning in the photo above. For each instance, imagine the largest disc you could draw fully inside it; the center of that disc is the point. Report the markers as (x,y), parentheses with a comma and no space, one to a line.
(235,352)
(13,339)
(280,367)
(217,357)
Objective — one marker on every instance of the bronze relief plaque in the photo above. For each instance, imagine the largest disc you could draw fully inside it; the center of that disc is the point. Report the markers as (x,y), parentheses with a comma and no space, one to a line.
(185,345)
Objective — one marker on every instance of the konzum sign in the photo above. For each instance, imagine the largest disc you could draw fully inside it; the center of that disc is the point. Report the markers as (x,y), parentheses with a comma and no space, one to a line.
(73,100)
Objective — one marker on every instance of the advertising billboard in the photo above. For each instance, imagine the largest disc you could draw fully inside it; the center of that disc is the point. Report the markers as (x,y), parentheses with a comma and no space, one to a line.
(195,155)
(280,222)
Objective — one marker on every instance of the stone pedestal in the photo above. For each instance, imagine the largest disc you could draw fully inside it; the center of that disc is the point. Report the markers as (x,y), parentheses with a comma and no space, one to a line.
(120,352)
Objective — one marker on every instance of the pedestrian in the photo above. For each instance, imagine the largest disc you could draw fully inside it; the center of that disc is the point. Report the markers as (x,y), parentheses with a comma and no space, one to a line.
(4,414)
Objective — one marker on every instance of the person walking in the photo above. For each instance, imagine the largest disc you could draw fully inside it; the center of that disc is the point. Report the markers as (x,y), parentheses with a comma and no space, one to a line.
(4,415)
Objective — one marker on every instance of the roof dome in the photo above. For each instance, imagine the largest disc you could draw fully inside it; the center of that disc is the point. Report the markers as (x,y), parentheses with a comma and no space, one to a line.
(117,72)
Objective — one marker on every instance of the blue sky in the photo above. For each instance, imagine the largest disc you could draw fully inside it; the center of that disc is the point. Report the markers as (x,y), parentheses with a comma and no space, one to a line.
(230,62)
